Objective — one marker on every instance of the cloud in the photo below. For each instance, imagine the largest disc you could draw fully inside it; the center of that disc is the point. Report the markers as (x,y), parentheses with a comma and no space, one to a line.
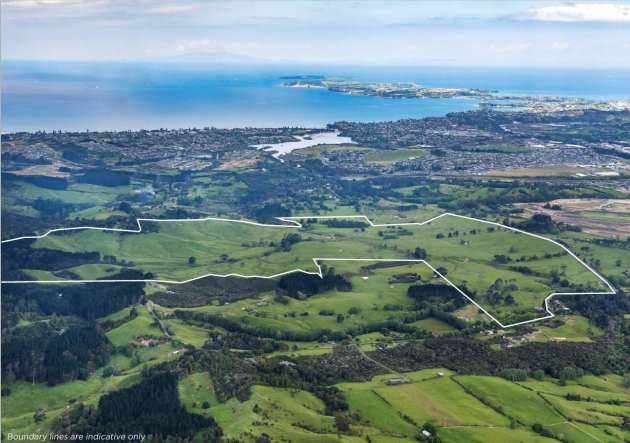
(559,46)
(510,48)
(173,9)
(581,12)
(196,46)
(36,3)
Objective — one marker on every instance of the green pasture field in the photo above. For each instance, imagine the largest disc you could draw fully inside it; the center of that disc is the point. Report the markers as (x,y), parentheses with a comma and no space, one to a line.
(433,325)
(187,334)
(396,413)
(610,260)
(195,389)
(400,410)
(76,193)
(589,412)
(581,387)
(472,434)
(376,411)
(366,342)
(575,328)
(582,432)
(96,270)
(19,407)
(25,398)
(466,248)
(317,150)
(371,293)
(441,401)
(303,348)
(379,211)
(392,156)
(141,326)
(282,414)
(118,315)
(608,382)
(97,213)
(513,400)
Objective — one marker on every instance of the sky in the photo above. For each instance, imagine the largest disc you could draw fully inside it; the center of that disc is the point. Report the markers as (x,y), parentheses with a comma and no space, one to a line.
(408,33)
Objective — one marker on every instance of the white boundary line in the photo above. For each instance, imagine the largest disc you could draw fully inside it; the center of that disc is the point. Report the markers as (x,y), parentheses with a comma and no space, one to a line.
(294,223)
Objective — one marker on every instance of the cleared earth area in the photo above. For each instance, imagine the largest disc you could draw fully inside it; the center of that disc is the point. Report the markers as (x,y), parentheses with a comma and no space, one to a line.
(606,217)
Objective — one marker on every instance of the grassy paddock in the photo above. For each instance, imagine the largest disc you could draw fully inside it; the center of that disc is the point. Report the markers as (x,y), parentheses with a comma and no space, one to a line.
(467,249)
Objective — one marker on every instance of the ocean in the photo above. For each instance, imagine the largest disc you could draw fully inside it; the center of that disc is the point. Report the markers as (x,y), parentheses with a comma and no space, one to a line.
(120,96)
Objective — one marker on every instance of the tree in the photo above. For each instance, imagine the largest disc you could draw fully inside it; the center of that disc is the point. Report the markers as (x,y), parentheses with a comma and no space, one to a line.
(538,374)
(192,260)
(513,374)
(125,207)
(502,259)
(109,372)
(420,253)
(263,438)
(342,422)
(570,373)
(428,433)
(429,427)
(289,240)
(39,416)
(442,270)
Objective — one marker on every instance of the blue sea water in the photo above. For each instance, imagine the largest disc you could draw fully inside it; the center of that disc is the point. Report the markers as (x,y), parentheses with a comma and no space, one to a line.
(118,96)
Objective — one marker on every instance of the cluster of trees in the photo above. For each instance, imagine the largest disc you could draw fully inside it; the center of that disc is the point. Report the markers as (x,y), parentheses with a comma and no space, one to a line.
(500,291)
(54,208)
(419,253)
(55,183)
(345,223)
(104,177)
(436,296)
(63,342)
(499,195)
(289,240)
(88,301)
(268,212)
(202,292)
(239,340)
(299,284)
(471,356)
(75,353)
(151,407)
(540,223)
(605,311)
(19,255)
(234,324)
(42,352)
(108,325)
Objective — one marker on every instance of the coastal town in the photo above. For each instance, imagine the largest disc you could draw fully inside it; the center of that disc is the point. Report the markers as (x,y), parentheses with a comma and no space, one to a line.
(487,99)
(475,143)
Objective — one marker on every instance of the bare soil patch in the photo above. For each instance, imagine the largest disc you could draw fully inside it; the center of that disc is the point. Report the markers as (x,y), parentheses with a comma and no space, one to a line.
(605,217)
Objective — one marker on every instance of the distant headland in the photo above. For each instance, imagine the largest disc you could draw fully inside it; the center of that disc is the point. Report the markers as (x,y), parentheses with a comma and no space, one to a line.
(487,98)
